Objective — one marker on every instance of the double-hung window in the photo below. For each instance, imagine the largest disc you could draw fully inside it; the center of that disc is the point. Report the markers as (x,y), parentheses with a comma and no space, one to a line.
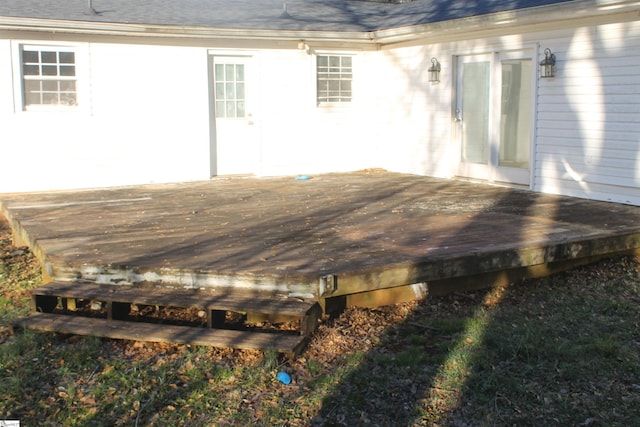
(334,77)
(49,77)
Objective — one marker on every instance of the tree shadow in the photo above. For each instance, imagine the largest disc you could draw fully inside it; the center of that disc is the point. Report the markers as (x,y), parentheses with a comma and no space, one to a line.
(532,353)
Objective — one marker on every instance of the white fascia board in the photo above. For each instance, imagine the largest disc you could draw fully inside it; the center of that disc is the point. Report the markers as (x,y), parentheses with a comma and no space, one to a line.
(173,31)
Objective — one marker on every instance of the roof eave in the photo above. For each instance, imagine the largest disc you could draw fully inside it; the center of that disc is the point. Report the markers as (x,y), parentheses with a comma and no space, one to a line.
(174,31)
(547,15)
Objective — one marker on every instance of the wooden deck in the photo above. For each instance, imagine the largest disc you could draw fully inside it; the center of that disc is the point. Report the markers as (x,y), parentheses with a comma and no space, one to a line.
(329,236)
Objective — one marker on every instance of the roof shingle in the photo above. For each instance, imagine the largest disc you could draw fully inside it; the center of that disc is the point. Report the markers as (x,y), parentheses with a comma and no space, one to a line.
(307,15)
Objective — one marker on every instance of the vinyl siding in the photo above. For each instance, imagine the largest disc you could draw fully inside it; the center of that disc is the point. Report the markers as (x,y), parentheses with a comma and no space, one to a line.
(586,129)
(416,116)
(588,139)
(143,119)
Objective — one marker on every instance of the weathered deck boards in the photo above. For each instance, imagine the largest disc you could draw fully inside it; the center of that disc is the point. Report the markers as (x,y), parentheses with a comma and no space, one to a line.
(370,230)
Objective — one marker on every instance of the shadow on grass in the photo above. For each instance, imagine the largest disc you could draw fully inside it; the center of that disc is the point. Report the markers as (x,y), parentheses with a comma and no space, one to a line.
(562,350)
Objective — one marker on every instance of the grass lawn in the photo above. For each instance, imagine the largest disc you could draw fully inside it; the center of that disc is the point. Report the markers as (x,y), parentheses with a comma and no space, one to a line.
(563,350)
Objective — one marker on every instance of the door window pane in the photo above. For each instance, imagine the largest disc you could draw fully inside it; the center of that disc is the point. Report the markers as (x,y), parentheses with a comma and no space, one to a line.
(219,71)
(515,114)
(230,90)
(231,109)
(475,112)
(240,110)
(229,72)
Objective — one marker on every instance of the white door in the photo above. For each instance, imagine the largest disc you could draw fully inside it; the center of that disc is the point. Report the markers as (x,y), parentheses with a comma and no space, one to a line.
(236,147)
(494,116)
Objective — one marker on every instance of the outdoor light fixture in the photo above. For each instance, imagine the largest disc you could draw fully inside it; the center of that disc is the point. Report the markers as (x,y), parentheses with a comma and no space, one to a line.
(548,64)
(434,71)
(302,45)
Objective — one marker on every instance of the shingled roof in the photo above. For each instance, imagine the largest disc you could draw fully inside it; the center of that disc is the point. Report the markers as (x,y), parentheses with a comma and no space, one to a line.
(305,15)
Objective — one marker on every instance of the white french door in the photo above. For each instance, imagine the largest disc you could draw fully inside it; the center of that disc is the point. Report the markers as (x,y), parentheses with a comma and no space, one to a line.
(236,145)
(493,114)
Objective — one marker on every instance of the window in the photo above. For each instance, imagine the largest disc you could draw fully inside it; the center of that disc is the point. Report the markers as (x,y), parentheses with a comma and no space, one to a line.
(335,74)
(230,93)
(49,77)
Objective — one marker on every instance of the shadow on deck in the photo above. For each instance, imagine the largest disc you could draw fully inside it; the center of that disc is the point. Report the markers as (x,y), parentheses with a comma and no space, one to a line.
(368,238)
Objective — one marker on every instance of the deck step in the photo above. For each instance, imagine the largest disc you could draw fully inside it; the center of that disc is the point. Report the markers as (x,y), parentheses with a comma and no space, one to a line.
(177,297)
(140,331)
(115,311)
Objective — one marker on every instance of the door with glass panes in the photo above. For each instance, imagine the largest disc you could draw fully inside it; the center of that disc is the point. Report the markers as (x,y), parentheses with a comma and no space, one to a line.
(235,148)
(493,116)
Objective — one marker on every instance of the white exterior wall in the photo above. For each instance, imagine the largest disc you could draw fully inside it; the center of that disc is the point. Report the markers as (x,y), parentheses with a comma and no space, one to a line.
(153,102)
(135,124)
(147,114)
(417,113)
(588,129)
(586,134)
(300,137)
(145,118)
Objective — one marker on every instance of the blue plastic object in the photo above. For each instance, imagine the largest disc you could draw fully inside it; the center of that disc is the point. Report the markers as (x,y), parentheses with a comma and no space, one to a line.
(284,378)
(302,177)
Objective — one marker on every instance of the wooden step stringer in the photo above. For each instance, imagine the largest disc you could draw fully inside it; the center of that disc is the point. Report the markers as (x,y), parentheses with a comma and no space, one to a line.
(55,309)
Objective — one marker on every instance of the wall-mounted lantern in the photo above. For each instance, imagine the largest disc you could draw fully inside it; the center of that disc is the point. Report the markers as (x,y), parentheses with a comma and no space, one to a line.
(302,45)
(548,64)
(434,71)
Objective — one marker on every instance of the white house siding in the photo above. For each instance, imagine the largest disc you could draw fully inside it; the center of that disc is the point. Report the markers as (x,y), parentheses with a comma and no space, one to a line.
(143,118)
(147,115)
(153,103)
(6,88)
(588,130)
(416,113)
(422,111)
(301,137)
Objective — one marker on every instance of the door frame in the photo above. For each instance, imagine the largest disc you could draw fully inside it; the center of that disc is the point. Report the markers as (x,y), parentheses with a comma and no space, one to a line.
(251,56)
(493,174)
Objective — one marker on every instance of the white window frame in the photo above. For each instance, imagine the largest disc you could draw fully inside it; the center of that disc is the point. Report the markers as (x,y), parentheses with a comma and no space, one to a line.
(81,56)
(340,54)
(221,113)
